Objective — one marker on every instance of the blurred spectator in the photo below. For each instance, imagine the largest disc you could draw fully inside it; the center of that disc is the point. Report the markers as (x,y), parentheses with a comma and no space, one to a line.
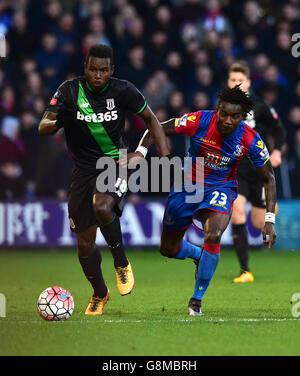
(161,114)
(53,12)
(260,64)
(166,85)
(175,66)
(188,11)
(87,41)
(283,57)
(7,102)
(28,65)
(50,62)
(201,102)
(32,88)
(135,70)
(176,108)
(164,21)
(203,81)
(38,106)
(175,104)
(67,42)
(270,94)
(152,92)
(122,15)
(57,179)
(254,22)
(97,30)
(272,75)
(135,32)
(11,130)
(250,48)
(31,141)
(51,148)
(158,89)
(211,41)
(19,38)
(214,19)
(11,152)
(227,47)
(66,34)
(290,14)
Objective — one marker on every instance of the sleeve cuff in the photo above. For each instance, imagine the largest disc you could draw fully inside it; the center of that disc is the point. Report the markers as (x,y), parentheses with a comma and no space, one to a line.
(142,109)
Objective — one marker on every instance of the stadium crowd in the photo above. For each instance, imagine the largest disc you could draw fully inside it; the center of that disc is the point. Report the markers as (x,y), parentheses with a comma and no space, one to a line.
(177,52)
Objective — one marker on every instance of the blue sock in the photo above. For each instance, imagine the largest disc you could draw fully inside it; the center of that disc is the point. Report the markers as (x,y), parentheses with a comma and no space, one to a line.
(188,250)
(207,266)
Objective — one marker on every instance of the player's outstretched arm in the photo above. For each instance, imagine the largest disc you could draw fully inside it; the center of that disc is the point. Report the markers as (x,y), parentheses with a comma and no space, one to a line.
(155,131)
(147,140)
(48,124)
(267,175)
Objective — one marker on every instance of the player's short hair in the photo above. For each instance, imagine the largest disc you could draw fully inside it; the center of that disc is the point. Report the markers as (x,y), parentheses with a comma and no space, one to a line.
(240,67)
(101,51)
(236,95)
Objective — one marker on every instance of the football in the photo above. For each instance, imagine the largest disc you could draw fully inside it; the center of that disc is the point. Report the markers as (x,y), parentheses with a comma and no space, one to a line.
(55,304)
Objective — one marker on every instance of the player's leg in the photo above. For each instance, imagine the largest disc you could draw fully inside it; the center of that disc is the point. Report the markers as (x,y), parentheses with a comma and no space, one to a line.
(239,235)
(258,217)
(174,246)
(109,224)
(177,218)
(90,261)
(256,195)
(84,224)
(214,224)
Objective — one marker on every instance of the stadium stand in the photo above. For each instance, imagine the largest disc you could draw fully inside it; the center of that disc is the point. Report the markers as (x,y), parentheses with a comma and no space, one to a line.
(177,52)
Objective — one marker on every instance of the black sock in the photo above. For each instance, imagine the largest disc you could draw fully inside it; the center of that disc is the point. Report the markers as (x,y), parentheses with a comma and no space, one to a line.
(240,242)
(91,266)
(113,236)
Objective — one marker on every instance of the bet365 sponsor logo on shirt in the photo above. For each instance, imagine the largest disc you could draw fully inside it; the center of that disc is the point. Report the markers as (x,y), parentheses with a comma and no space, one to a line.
(98,118)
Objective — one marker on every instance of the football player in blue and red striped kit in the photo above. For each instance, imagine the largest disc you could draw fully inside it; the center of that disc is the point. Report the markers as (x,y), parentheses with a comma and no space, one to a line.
(222,139)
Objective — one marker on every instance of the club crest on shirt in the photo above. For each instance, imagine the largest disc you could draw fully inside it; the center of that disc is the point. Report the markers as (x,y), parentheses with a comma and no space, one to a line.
(238,151)
(110,104)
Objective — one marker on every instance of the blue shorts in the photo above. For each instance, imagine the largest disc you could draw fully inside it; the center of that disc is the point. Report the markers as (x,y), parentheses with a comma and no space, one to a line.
(179,212)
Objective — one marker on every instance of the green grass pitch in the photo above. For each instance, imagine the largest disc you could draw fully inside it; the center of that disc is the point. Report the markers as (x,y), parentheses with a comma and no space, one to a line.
(239,319)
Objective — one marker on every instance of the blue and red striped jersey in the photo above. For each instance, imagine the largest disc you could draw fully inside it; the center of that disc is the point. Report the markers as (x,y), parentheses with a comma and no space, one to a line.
(221,155)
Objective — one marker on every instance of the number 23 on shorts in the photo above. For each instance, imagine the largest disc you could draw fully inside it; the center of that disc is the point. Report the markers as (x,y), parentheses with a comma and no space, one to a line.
(218,199)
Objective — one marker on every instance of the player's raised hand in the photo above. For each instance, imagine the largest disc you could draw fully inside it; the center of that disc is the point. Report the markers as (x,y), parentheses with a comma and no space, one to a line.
(269,234)
(131,159)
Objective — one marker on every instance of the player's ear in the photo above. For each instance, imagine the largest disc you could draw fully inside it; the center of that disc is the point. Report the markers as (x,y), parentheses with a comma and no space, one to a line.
(112,69)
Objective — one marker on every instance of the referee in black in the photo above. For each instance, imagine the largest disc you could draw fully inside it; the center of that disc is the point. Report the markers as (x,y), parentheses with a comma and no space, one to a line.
(266,122)
(92,111)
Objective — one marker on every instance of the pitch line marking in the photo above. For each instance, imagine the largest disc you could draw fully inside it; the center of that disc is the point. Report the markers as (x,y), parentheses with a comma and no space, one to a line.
(200,319)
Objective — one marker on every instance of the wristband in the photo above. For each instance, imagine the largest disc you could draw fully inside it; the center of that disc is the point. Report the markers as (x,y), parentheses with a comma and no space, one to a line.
(270,217)
(142,150)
